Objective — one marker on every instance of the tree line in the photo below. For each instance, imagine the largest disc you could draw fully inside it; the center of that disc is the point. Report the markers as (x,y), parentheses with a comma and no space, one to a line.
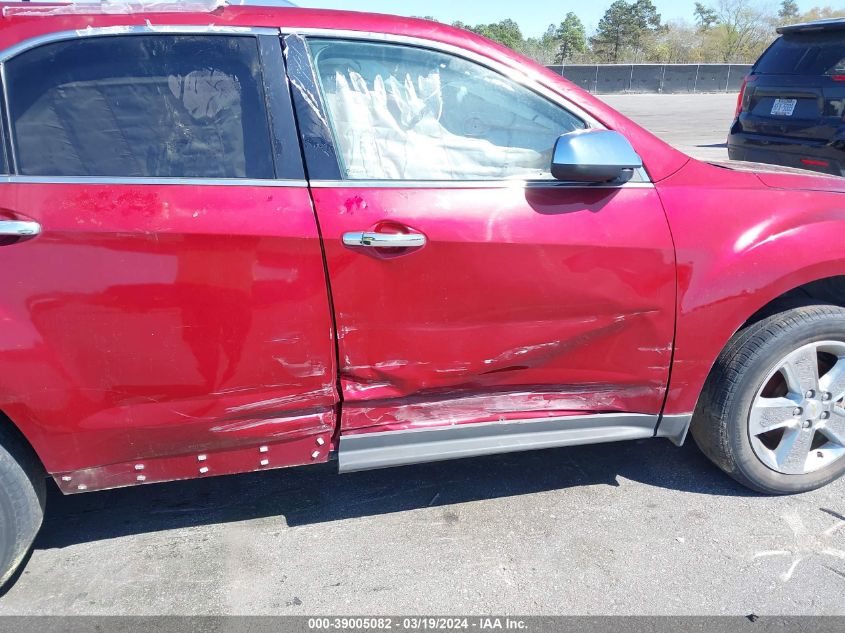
(727,31)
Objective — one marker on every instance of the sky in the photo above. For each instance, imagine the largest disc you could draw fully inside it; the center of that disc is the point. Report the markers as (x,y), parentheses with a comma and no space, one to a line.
(533,16)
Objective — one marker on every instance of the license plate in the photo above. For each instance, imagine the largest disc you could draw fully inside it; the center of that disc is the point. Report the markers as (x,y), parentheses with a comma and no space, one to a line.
(784,107)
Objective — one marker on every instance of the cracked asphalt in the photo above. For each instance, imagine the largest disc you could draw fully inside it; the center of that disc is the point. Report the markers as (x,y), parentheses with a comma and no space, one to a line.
(638,528)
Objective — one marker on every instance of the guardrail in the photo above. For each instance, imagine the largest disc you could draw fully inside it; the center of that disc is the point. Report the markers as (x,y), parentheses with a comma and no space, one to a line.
(655,78)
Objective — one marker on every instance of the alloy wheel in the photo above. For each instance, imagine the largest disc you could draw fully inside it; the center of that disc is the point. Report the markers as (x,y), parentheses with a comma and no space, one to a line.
(797,420)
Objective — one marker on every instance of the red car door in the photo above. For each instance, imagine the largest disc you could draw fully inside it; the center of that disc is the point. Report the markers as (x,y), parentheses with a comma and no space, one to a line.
(176,295)
(470,287)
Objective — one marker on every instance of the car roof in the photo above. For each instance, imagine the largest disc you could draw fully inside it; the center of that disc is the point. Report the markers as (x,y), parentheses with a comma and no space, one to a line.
(21,20)
(829,24)
(47,7)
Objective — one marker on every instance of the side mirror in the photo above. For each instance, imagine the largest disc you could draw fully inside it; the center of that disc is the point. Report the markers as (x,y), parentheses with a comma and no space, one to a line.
(594,156)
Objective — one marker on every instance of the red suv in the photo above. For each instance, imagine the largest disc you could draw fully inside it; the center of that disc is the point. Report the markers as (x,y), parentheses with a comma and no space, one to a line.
(259,237)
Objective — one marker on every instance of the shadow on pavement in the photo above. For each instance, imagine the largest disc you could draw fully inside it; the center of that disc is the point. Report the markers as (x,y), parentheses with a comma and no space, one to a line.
(316,494)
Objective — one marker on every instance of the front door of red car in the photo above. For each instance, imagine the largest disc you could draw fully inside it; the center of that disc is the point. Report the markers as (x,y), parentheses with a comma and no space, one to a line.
(468,285)
(176,296)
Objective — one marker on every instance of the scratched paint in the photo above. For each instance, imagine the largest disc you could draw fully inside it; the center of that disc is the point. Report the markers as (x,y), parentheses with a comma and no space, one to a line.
(253,449)
(279,428)
(510,295)
(455,409)
(284,402)
(395,380)
(139,336)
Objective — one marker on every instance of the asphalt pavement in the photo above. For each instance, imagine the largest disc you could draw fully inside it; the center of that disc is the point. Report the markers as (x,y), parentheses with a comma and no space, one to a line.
(696,124)
(637,528)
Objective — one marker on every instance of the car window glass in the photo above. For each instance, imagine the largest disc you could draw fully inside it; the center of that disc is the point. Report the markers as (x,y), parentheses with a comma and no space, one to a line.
(407,113)
(805,54)
(141,106)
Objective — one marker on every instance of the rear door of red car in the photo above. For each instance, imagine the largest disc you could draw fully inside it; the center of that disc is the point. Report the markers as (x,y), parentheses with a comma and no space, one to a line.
(173,312)
(500,294)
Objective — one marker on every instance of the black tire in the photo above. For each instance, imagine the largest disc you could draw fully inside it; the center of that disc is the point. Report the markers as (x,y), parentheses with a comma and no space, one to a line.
(22,496)
(720,424)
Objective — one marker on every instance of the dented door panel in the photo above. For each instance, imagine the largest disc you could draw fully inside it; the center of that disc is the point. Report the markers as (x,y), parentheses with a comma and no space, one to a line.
(164,320)
(525,302)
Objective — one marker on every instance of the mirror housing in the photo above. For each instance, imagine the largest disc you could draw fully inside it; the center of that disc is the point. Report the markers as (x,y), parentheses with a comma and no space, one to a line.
(593,156)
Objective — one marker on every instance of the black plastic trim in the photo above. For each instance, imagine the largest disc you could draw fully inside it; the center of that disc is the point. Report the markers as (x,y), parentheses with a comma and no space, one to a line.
(6,150)
(285,141)
(318,147)
(830,24)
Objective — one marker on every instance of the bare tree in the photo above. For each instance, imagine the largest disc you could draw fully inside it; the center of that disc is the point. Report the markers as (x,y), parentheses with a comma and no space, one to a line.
(741,33)
(822,13)
(680,43)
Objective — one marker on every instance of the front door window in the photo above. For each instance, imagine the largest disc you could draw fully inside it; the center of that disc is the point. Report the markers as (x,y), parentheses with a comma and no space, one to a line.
(408,113)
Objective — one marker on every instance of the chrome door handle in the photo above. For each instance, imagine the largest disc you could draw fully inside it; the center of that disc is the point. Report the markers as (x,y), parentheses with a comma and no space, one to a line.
(385,240)
(15,228)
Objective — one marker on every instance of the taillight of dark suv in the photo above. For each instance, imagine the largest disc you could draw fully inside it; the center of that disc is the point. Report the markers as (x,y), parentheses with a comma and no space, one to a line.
(791,110)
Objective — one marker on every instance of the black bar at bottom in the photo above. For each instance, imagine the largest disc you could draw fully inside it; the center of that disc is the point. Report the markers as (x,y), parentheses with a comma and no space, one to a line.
(310,624)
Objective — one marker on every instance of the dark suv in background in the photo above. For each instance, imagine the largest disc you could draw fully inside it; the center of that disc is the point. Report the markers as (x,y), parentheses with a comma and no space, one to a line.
(791,110)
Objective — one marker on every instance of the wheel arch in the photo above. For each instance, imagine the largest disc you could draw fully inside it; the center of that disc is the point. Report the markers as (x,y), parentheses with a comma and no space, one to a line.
(798,289)
(16,441)
(828,290)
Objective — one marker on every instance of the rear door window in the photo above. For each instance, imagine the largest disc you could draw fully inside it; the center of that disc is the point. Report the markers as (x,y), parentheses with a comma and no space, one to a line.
(167,106)
(805,54)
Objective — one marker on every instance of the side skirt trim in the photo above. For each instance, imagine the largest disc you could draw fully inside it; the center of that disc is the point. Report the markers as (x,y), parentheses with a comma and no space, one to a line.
(371,451)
